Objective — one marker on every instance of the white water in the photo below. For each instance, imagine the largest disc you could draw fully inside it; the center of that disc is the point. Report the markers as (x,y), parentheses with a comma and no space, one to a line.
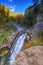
(17,48)
(19,28)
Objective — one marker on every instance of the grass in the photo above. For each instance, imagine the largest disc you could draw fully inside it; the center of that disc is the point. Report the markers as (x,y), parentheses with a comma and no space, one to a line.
(31,43)
(4,36)
(35,44)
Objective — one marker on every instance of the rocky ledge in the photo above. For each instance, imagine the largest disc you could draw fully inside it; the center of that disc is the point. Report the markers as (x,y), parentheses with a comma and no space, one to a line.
(4,48)
(31,56)
(8,42)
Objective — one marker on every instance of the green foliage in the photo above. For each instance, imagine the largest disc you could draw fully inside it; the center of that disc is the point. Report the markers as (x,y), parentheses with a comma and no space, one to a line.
(35,44)
(30,17)
(39,40)
(11,18)
(40,37)
(32,12)
(19,19)
(4,36)
(27,20)
(5,18)
(3,14)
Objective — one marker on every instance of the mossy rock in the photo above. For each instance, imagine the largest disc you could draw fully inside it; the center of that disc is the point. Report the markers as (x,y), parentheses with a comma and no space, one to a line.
(4,51)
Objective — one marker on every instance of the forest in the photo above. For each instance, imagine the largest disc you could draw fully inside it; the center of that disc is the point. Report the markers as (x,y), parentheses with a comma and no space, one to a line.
(19,28)
(28,19)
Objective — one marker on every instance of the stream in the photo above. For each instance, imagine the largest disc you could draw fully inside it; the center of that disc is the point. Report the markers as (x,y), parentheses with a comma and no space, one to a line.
(9,58)
(17,48)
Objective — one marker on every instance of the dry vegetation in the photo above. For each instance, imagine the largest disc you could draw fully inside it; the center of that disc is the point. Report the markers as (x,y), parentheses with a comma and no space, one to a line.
(35,42)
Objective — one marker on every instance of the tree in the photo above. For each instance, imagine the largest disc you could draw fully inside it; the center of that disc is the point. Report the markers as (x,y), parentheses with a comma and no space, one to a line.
(30,17)
(19,18)
(11,19)
(41,7)
(32,12)
(4,15)
(7,15)
(42,2)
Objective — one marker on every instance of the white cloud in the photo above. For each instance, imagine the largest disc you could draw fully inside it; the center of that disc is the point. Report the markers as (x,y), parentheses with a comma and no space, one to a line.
(10,0)
(12,8)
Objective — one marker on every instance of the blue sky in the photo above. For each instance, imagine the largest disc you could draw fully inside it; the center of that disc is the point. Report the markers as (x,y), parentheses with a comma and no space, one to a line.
(17,5)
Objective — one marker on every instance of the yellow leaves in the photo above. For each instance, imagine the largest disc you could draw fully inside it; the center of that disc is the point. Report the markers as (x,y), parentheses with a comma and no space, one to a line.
(12,14)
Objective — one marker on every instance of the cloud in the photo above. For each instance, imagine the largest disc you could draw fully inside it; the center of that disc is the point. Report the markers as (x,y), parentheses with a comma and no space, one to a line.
(12,8)
(10,0)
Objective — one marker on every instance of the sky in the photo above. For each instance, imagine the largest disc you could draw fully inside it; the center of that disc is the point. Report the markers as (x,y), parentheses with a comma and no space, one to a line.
(17,5)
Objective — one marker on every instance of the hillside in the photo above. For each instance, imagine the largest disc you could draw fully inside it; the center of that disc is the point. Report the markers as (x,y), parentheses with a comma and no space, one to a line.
(6,9)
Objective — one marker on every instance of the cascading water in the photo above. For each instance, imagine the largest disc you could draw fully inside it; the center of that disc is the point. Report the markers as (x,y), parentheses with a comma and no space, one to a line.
(17,48)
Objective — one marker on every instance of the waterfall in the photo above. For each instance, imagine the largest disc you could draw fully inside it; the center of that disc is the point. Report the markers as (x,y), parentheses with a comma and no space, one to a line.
(17,48)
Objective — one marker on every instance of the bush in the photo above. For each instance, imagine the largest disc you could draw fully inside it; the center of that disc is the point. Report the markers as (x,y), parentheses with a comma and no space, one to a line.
(40,37)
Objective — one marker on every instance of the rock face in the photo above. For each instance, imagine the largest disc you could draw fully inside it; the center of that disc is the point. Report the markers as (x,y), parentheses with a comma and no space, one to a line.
(38,26)
(31,56)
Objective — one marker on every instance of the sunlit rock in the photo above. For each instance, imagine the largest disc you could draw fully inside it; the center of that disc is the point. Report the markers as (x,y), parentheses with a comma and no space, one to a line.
(31,56)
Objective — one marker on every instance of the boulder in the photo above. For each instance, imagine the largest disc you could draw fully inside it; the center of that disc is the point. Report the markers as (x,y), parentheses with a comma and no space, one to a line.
(31,56)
